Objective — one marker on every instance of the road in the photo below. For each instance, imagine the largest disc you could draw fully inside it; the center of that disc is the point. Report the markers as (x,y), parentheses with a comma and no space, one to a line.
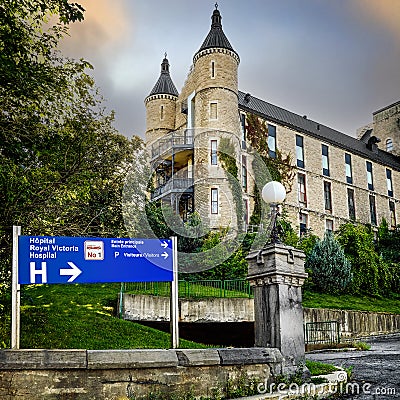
(376,373)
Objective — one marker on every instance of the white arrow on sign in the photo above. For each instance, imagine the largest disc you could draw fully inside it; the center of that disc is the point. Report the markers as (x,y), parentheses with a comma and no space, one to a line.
(165,255)
(164,244)
(73,273)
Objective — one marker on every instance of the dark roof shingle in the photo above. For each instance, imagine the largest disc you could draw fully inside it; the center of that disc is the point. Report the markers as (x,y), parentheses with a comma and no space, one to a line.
(164,84)
(324,133)
(216,37)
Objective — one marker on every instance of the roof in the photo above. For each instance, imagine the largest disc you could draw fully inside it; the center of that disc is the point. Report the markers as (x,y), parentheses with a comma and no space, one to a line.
(164,85)
(216,37)
(397,103)
(311,128)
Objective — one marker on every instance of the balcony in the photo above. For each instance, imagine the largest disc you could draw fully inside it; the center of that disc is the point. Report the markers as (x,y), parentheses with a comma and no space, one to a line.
(177,141)
(174,185)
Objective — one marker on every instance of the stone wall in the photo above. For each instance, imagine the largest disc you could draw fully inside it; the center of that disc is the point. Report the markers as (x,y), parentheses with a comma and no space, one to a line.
(352,323)
(386,125)
(128,374)
(356,324)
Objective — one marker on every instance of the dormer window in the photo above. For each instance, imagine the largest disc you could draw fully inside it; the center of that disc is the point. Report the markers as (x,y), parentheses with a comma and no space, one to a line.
(389,145)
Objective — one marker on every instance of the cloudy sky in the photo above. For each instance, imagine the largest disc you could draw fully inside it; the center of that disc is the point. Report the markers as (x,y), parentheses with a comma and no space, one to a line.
(336,61)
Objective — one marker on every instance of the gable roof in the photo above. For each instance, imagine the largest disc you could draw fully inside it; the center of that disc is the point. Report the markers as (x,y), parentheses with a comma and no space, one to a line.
(314,129)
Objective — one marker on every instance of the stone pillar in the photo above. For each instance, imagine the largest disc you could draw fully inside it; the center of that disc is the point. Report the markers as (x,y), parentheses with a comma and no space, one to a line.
(277,273)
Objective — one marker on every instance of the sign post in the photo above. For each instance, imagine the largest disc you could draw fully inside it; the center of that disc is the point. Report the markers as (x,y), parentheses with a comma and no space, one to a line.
(15,292)
(174,303)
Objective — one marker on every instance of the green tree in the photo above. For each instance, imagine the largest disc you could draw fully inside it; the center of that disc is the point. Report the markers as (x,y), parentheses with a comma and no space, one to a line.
(388,247)
(62,164)
(371,274)
(330,269)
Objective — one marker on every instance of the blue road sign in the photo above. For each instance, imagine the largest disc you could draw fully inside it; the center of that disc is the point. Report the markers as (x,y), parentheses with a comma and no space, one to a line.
(53,259)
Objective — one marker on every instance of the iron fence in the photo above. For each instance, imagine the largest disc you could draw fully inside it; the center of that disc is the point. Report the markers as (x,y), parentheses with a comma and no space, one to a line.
(193,289)
(326,332)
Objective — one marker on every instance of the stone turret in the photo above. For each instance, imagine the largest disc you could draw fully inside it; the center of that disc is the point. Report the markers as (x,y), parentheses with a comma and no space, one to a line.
(215,66)
(161,106)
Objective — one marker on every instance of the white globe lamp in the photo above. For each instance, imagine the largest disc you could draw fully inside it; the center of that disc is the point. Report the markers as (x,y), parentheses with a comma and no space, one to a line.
(274,193)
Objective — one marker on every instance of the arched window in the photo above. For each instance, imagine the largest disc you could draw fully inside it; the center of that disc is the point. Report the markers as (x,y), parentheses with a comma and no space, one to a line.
(389,144)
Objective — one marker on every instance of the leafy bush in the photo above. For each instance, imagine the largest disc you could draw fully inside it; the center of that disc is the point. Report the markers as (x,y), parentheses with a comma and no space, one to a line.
(330,269)
(371,274)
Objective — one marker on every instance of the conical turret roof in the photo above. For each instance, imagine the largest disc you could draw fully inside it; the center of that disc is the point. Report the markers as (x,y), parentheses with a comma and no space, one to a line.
(164,85)
(216,37)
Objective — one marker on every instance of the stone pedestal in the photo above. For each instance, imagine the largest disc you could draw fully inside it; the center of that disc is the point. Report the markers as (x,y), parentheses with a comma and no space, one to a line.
(277,273)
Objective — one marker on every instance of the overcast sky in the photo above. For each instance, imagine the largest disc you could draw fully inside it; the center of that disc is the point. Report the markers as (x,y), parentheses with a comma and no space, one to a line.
(336,61)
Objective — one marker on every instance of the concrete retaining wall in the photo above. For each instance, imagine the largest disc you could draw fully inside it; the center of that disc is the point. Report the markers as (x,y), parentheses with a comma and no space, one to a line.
(355,324)
(124,374)
(352,323)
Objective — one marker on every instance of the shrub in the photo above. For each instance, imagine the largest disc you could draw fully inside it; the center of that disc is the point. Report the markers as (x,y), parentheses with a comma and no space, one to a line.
(371,274)
(330,269)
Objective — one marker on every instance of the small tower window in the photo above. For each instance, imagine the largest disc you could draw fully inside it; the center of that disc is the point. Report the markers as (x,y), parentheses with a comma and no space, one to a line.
(214,152)
(389,145)
(214,110)
(161,113)
(214,201)
(212,69)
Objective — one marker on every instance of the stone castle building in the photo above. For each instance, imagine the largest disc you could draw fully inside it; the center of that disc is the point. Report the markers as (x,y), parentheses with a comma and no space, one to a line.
(337,179)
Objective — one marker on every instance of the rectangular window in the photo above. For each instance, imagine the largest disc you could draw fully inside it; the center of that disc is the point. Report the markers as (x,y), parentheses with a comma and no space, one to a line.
(272,141)
(246,212)
(244,173)
(214,201)
(349,172)
(350,204)
(328,196)
(212,69)
(243,129)
(214,152)
(161,113)
(214,110)
(301,189)
(329,225)
(299,151)
(370,179)
(325,160)
(372,209)
(389,182)
(303,223)
(392,214)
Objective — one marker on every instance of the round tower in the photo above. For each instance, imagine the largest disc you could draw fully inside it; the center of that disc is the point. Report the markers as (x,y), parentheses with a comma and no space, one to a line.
(161,106)
(215,66)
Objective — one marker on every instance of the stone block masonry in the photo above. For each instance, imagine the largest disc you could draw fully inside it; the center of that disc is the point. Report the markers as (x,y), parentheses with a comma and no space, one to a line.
(124,374)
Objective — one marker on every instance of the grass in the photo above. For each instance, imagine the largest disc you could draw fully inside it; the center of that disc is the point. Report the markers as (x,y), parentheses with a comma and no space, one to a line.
(349,302)
(190,289)
(83,317)
(319,368)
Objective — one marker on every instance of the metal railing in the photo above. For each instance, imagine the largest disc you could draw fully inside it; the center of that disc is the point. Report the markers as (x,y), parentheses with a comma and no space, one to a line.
(253,228)
(326,332)
(174,184)
(176,139)
(194,289)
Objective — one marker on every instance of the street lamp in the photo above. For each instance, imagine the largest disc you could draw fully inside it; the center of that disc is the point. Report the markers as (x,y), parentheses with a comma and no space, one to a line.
(274,193)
